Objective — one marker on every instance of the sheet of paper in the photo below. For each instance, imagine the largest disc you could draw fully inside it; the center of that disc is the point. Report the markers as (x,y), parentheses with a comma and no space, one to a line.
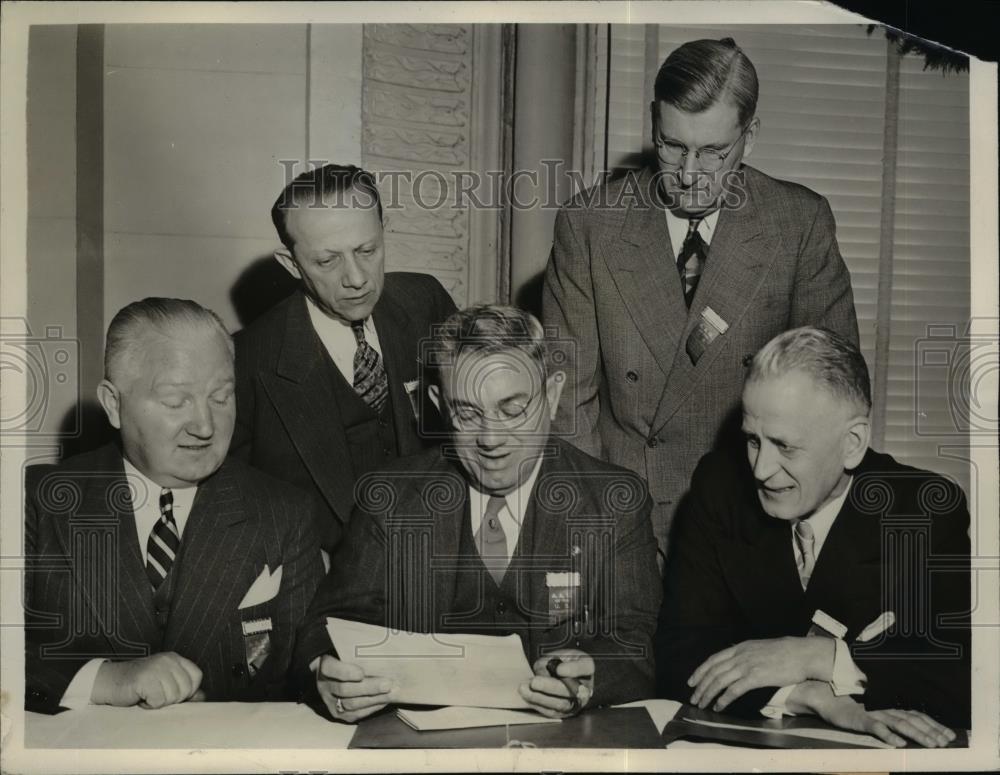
(482,671)
(660,711)
(833,735)
(467,718)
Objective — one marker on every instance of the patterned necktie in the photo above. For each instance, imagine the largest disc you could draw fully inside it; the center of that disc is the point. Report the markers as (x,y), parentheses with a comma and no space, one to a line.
(805,539)
(164,541)
(491,541)
(369,374)
(691,260)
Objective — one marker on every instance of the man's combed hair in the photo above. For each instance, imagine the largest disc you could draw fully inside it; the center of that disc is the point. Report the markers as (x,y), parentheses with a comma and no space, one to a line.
(830,359)
(162,315)
(700,73)
(332,185)
(489,328)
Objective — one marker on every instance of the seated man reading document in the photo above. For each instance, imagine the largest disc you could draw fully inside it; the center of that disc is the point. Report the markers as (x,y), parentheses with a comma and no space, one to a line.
(822,577)
(503,530)
(158,571)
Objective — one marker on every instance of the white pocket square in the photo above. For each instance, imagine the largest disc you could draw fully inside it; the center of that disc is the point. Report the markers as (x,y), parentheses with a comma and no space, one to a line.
(882,623)
(264,588)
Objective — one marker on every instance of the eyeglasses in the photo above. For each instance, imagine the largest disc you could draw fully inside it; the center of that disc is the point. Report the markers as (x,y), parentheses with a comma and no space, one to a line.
(511,414)
(708,159)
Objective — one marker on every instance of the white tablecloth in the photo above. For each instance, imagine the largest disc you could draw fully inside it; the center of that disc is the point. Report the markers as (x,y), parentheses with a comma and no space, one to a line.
(200,725)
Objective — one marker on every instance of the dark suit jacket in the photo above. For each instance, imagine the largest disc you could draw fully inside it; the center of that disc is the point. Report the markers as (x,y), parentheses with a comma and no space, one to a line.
(87,594)
(578,502)
(633,396)
(900,544)
(287,418)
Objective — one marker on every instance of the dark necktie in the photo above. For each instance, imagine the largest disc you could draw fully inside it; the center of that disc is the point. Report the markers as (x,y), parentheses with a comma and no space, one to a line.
(491,541)
(369,374)
(691,260)
(163,543)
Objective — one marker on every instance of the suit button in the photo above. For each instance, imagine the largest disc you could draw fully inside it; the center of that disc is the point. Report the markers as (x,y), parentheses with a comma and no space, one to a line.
(631,376)
(501,607)
(239,670)
(652,442)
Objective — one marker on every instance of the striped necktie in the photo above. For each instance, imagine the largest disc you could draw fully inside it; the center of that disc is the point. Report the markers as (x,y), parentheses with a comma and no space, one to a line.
(164,541)
(805,539)
(491,541)
(691,260)
(370,381)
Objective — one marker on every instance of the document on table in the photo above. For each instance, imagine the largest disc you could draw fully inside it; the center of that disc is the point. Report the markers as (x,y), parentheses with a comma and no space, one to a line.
(481,671)
(833,735)
(468,718)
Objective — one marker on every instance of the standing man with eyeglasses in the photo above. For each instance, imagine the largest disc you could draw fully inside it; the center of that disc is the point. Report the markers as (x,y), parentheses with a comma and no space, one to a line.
(670,278)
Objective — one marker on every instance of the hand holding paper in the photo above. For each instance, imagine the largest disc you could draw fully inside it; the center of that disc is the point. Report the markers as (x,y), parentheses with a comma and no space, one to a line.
(347,693)
(482,671)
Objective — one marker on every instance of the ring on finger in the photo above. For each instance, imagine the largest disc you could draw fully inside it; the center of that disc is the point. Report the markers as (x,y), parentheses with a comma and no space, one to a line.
(340,705)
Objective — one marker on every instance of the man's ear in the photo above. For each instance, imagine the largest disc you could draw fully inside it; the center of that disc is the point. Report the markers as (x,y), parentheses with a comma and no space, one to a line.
(751,136)
(435,395)
(110,399)
(284,257)
(856,441)
(553,391)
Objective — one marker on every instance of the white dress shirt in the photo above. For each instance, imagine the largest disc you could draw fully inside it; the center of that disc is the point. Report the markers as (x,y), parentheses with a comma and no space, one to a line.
(678,228)
(847,678)
(338,339)
(511,514)
(146,510)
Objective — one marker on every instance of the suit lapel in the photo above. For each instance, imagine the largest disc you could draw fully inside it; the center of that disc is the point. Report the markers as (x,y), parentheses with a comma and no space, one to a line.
(739,258)
(775,593)
(304,399)
(399,338)
(641,262)
(447,537)
(549,530)
(214,557)
(107,499)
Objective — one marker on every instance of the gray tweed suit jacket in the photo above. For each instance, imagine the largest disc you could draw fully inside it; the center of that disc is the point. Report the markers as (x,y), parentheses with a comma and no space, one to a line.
(634,396)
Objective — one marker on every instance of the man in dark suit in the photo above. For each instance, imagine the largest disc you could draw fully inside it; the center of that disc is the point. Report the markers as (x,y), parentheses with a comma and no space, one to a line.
(823,577)
(521,534)
(327,382)
(667,279)
(159,571)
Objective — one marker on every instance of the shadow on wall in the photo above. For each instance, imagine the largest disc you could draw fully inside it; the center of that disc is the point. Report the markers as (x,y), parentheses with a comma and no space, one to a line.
(85,427)
(259,287)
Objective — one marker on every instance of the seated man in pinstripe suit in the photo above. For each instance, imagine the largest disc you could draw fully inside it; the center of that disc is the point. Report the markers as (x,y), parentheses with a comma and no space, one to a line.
(157,571)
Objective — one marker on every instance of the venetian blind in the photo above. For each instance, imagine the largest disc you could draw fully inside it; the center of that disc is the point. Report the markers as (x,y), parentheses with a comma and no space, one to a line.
(822,110)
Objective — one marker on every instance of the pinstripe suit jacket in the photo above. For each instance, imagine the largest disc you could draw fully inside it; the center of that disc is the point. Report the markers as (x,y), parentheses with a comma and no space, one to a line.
(87,594)
(634,397)
(288,422)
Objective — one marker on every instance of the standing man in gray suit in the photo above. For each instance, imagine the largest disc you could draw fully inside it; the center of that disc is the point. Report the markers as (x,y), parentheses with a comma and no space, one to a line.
(669,279)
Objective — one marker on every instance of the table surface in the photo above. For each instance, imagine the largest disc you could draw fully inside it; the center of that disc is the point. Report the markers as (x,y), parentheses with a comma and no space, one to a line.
(283,725)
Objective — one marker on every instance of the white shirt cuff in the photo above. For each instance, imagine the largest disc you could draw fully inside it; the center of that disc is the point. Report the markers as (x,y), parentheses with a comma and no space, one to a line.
(847,678)
(77,694)
(776,706)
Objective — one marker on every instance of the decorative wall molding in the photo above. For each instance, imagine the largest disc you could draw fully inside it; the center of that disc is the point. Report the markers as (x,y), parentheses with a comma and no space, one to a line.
(424,111)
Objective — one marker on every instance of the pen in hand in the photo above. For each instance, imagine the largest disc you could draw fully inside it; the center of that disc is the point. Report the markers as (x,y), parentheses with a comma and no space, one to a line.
(577,690)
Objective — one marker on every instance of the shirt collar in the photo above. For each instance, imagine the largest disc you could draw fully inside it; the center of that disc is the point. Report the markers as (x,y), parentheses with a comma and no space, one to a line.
(678,228)
(823,519)
(327,326)
(183,497)
(517,499)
